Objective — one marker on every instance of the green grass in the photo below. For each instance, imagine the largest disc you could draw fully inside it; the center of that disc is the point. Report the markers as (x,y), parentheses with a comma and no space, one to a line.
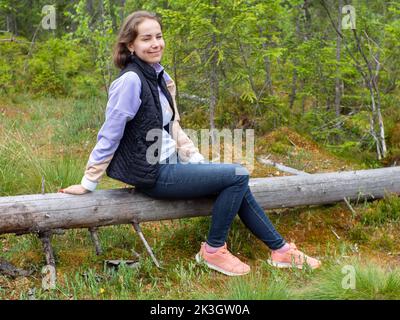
(46,138)
(258,285)
(22,168)
(82,274)
(51,139)
(370,282)
(383,212)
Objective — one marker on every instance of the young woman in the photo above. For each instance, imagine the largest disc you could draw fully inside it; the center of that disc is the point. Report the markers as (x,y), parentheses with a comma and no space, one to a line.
(142,114)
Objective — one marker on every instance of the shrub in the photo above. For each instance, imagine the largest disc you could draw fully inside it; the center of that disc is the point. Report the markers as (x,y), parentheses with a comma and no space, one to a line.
(12,61)
(384,211)
(370,282)
(57,65)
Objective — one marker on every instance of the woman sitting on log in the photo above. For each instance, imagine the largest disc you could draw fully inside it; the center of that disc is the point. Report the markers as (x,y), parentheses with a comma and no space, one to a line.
(142,144)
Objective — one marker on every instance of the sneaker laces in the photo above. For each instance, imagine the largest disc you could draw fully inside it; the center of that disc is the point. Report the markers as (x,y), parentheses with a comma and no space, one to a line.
(224,250)
(296,253)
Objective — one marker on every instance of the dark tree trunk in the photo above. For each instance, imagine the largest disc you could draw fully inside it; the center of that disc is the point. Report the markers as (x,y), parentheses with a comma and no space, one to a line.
(338,95)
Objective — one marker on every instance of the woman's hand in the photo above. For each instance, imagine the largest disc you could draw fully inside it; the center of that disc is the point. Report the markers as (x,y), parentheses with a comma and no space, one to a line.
(196,158)
(76,189)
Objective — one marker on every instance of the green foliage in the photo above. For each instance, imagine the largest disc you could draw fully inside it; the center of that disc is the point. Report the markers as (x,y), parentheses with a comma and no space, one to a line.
(386,210)
(263,53)
(98,35)
(346,135)
(21,171)
(196,119)
(12,62)
(257,287)
(81,123)
(55,65)
(371,282)
(281,145)
(359,234)
(273,113)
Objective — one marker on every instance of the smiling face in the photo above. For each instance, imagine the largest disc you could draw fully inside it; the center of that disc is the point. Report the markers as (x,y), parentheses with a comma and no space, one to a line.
(149,43)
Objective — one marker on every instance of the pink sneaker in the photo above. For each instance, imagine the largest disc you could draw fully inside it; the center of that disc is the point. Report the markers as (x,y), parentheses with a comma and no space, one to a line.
(292,258)
(222,261)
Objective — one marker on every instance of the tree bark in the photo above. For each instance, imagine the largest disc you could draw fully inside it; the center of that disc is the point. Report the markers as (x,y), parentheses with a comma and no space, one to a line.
(338,95)
(293,93)
(267,63)
(214,83)
(370,82)
(39,213)
(251,79)
(176,80)
(292,96)
(8,20)
(122,11)
(375,103)
(379,113)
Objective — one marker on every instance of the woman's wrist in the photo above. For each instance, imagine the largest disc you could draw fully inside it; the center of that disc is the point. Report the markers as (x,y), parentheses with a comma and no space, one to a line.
(196,158)
(88,184)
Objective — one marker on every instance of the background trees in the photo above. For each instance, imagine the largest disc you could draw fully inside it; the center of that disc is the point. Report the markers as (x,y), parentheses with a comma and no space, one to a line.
(237,63)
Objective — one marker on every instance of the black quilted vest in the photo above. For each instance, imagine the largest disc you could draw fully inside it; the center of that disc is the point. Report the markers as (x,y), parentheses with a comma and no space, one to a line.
(129,163)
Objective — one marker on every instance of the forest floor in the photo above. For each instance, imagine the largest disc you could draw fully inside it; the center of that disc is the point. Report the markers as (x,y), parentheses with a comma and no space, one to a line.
(42,140)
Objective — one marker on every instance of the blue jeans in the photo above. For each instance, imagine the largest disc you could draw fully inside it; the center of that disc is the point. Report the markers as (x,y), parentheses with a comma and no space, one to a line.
(187,180)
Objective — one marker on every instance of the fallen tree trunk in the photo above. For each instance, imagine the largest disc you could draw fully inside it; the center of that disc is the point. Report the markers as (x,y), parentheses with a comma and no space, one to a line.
(38,213)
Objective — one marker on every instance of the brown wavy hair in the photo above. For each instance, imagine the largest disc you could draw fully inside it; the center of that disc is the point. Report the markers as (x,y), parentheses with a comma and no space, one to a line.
(128,34)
